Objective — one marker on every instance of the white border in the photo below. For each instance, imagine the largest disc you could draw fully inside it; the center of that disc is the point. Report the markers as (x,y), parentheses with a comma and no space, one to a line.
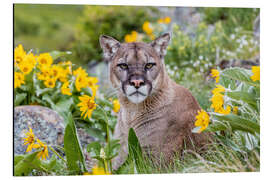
(6,82)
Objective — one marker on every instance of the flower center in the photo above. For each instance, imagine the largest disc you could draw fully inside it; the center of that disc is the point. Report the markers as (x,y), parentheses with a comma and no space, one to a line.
(43,61)
(31,139)
(90,104)
(25,69)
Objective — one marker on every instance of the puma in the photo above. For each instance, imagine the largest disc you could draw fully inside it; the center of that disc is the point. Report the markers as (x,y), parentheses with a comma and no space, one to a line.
(161,112)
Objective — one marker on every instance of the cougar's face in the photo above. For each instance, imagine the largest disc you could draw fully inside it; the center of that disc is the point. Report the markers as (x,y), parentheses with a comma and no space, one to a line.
(134,69)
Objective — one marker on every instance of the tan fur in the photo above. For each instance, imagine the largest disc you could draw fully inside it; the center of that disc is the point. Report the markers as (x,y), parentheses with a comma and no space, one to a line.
(164,120)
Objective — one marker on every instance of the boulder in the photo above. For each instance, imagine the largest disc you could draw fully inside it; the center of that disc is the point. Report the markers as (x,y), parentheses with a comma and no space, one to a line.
(47,125)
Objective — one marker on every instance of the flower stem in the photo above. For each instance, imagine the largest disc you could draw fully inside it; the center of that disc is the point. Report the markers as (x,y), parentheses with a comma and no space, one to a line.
(107,124)
(57,154)
(108,133)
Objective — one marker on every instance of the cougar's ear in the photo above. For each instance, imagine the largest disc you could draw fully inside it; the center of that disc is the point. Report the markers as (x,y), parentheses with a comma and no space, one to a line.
(109,46)
(160,44)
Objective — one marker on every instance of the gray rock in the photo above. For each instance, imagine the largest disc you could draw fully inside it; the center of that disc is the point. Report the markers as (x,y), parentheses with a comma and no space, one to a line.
(47,125)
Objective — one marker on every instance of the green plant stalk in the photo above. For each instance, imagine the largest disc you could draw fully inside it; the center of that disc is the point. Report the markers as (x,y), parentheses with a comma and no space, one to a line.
(107,124)
(105,166)
(57,154)
(107,132)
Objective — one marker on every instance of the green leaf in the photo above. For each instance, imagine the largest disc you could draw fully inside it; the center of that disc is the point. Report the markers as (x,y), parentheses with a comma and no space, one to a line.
(239,74)
(40,91)
(134,148)
(17,159)
(94,132)
(24,166)
(239,123)
(217,126)
(112,149)
(94,149)
(48,99)
(57,54)
(75,157)
(244,96)
(53,165)
(19,98)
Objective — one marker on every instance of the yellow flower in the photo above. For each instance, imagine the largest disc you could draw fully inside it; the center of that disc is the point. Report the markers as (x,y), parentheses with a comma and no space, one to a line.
(30,140)
(160,21)
(217,102)
(116,105)
(94,89)
(80,72)
(202,120)
(19,54)
(45,59)
(86,173)
(131,37)
(215,73)
(65,89)
(50,83)
(87,105)
(99,171)
(167,20)
(27,64)
(56,71)
(146,28)
(218,89)
(30,58)
(43,76)
(44,152)
(152,36)
(81,82)
(256,73)
(92,81)
(235,110)
(18,79)
(225,111)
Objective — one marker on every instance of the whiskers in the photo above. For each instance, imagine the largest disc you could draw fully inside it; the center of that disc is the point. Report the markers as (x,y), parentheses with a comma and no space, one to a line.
(112,92)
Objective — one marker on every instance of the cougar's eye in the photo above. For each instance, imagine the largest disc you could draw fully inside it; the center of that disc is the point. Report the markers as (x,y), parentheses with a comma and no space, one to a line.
(149,65)
(123,66)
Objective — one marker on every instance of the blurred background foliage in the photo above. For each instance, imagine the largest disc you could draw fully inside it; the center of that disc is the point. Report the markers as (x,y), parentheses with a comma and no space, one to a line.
(202,38)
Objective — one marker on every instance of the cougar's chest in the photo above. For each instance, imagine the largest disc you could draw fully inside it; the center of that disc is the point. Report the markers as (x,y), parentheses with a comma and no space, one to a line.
(150,125)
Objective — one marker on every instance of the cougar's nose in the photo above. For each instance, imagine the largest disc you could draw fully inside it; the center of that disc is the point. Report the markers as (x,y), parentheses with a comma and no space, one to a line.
(136,83)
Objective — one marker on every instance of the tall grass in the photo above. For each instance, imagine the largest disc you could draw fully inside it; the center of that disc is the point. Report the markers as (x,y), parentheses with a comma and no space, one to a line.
(219,157)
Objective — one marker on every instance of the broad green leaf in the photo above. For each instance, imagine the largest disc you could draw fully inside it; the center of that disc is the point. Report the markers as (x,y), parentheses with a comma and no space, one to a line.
(17,158)
(75,157)
(25,166)
(19,98)
(239,74)
(238,123)
(244,96)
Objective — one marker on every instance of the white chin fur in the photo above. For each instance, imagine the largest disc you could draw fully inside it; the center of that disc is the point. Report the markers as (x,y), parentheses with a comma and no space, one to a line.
(136,98)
